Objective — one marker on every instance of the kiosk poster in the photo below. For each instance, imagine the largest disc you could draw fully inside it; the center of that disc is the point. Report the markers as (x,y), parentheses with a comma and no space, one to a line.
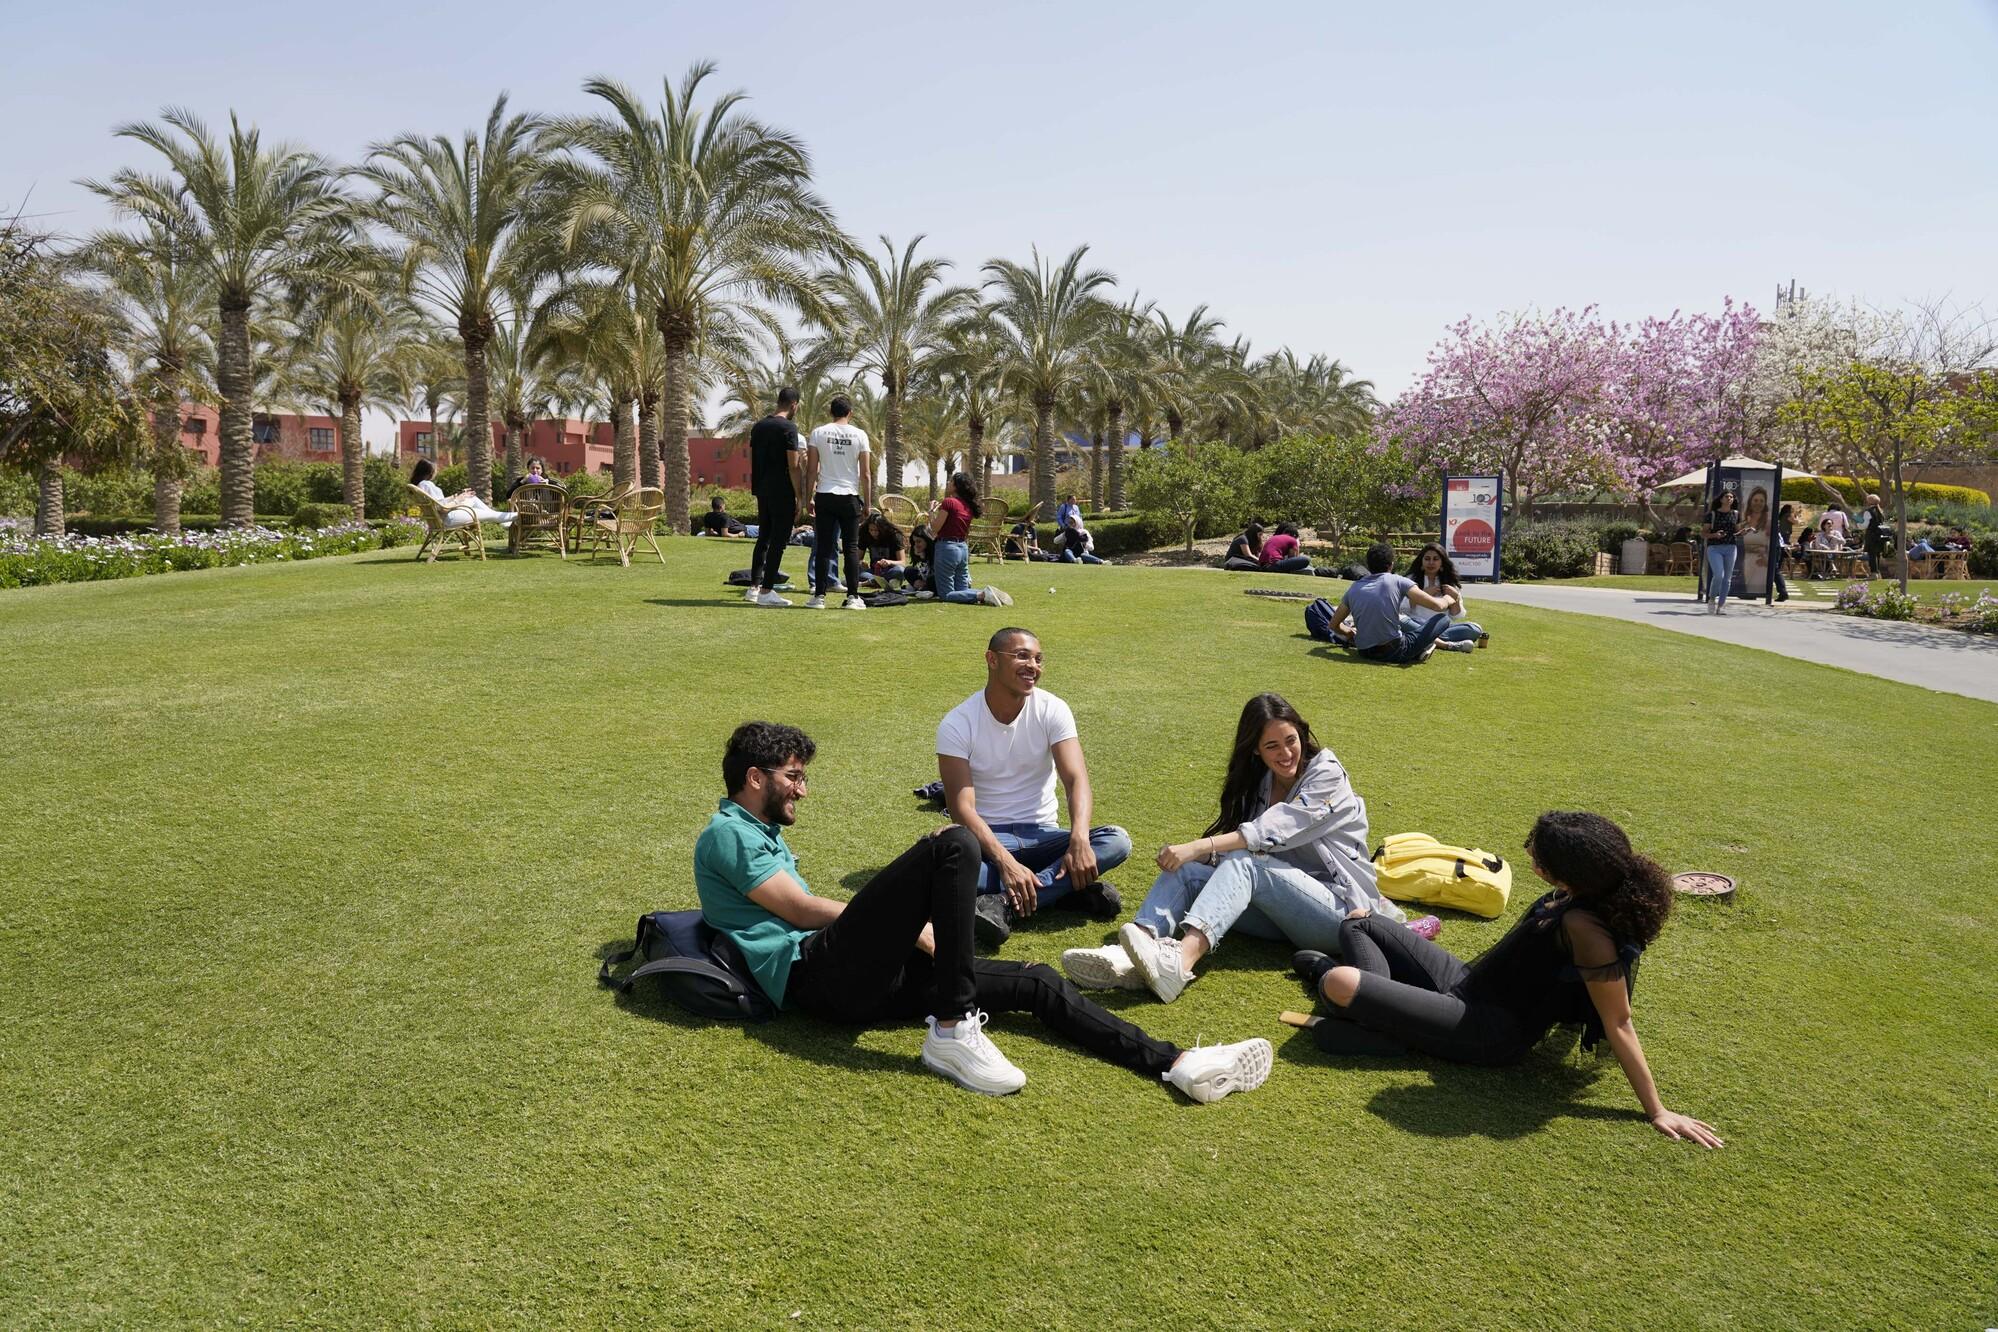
(1472,524)
(1754,490)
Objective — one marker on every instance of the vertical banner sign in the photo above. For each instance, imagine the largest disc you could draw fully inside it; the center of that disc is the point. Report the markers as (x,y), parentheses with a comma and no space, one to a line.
(1472,524)
(1755,491)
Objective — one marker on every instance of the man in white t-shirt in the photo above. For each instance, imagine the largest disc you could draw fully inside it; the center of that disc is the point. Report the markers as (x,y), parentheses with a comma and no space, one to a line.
(839,476)
(999,753)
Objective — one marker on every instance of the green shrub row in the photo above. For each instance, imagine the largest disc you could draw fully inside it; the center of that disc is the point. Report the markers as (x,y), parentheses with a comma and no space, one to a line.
(1802,489)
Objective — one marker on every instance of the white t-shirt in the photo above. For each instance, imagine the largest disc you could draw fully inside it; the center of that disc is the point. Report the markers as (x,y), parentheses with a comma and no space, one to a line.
(1012,767)
(840,447)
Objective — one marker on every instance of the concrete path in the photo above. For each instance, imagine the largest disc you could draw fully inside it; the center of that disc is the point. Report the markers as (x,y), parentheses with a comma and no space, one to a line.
(1941,659)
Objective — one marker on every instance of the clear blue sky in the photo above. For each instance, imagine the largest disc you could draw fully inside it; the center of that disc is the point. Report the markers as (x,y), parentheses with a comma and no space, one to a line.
(1336,178)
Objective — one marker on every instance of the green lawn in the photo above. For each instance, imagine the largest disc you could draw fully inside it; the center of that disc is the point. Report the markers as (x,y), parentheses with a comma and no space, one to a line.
(1929,590)
(307,870)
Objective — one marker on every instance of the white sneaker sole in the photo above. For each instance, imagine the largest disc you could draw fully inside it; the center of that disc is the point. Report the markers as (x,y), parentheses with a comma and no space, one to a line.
(1248,1070)
(965,1080)
(1090,970)
(1140,945)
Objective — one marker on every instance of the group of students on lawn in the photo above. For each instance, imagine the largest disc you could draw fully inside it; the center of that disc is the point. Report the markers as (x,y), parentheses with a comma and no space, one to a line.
(1285,859)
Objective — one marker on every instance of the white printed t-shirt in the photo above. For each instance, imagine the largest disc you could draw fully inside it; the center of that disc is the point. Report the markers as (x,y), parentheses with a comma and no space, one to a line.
(840,448)
(1012,767)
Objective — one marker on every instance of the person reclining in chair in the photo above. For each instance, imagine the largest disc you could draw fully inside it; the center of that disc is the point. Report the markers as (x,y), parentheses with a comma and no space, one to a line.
(1375,606)
(901,948)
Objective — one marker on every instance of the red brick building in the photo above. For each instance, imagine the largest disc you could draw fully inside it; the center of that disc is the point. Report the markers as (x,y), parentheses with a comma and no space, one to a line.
(275,435)
(566,446)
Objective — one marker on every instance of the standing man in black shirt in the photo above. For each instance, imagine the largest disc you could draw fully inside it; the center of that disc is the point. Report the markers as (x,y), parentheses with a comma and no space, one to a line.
(776,478)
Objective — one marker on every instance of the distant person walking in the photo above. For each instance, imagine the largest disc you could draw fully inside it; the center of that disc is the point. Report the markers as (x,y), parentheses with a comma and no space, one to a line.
(839,476)
(1878,537)
(1724,533)
(776,478)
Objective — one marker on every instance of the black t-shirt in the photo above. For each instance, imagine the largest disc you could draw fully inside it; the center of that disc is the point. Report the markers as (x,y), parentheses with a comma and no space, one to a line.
(772,441)
(1723,524)
(1238,549)
(714,520)
(1876,529)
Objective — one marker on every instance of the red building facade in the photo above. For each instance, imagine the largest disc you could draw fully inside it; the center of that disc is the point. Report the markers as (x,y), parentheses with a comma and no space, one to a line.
(274,434)
(567,446)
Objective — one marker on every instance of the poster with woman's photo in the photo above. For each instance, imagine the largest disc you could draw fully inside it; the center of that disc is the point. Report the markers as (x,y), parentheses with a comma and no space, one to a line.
(1755,502)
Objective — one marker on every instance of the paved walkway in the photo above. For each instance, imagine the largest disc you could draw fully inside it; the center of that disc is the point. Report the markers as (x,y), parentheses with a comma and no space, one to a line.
(1916,654)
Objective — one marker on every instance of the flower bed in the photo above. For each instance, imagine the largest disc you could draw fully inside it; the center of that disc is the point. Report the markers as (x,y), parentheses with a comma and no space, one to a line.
(1956,610)
(30,561)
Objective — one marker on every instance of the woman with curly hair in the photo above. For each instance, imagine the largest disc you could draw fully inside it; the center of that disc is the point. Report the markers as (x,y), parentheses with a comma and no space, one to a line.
(1571,959)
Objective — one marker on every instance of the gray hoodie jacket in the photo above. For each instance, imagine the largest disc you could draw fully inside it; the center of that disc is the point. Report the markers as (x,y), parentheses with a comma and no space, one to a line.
(1321,829)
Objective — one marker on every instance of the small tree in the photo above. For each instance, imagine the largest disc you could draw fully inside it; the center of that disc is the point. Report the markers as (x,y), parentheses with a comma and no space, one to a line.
(1341,484)
(1192,488)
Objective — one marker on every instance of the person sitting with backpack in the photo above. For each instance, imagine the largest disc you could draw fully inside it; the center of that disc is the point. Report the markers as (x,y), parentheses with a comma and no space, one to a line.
(1571,958)
(902,947)
(1374,604)
(1285,859)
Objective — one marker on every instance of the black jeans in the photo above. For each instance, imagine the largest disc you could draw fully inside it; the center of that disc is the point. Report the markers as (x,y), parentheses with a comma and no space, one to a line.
(835,519)
(774,516)
(1408,1000)
(865,966)
(1403,650)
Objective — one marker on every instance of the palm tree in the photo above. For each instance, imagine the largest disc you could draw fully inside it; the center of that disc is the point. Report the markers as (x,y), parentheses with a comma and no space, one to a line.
(700,212)
(461,210)
(1318,397)
(352,352)
(523,383)
(936,431)
(160,297)
(433,376)
(254,221)
(595,327)
(889,323)
(1051,323)
(1125,382)
(970,360)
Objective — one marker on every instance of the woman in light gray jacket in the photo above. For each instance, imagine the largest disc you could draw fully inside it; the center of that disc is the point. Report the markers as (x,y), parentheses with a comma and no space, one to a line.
(1286,859)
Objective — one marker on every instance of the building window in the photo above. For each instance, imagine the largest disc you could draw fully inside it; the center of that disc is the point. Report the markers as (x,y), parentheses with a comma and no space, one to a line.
(194,425)
(321,441)
(423,449)
(263,429)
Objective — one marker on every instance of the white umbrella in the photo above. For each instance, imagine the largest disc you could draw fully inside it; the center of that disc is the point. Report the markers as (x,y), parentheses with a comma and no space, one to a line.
(1699,477)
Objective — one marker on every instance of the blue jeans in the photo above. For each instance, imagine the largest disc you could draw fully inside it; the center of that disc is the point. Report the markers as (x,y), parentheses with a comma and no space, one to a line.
(1261,896)
(1040,849)
(951,572)
(1295,564)
(1069,557)
(1412,646)
(1460,631)
(1720,572)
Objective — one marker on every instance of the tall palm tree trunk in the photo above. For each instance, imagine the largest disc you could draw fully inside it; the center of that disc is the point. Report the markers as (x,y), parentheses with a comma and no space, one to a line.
(624,442)
(353,456)
(974,427)
(1042,491)
(237,455)
(679,342)
(893,411)
(1096,471)
(478,418)
(1114,435)
(515,430)
(169,462)
(648,438)
(48,498)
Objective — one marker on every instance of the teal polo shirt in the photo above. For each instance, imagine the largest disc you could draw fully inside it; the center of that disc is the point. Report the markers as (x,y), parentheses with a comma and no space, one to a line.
(735,854)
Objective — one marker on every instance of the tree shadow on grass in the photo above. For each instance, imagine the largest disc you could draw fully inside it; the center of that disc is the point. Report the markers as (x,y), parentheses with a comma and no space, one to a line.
(1463,1100)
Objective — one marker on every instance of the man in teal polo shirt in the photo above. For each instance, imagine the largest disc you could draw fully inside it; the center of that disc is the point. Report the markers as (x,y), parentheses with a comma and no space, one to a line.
(902,947)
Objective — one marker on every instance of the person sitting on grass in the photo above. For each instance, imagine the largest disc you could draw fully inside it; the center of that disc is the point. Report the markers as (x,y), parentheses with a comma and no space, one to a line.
(922,554)
(716,521)
(1073,544)
(1435,573)
(901,949)
(423,477)
(881,548)
(1374,606)
(950,525)
(1280,554)
(1571,958)
(1245,552)
(998,753)
(1285,859)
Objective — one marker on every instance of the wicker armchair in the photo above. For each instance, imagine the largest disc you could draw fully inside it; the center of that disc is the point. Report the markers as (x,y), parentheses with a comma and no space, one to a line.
(584,510)
(1679,557)
(543,507)
(988,530)
(443,520)
(632,521)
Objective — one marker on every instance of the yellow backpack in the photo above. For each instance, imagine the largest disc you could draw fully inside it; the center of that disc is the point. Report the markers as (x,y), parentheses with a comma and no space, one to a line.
(1415,867)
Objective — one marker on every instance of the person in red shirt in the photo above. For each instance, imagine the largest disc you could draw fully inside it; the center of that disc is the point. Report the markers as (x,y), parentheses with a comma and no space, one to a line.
(950,524)
(1279,554)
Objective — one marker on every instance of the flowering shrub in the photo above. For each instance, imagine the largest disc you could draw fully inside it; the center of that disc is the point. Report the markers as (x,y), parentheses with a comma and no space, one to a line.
(1852,597)
(1889,603)
(1979,616)
(30,561)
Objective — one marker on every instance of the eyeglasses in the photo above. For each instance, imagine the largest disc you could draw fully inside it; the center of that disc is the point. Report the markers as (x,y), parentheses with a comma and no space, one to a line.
(795,776)
(1024,654)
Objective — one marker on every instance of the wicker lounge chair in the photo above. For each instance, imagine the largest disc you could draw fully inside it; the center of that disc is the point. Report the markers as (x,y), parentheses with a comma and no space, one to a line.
(446,520)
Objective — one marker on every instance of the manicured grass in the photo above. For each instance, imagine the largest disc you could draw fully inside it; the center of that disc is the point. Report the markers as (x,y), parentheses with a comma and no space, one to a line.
(1929,590)
(307,871)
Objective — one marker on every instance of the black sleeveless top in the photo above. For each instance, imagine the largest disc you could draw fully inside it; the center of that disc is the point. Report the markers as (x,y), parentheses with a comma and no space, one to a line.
(1540,969)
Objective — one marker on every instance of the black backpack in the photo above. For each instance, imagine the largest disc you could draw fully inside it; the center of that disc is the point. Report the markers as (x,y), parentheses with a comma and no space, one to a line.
(698,967)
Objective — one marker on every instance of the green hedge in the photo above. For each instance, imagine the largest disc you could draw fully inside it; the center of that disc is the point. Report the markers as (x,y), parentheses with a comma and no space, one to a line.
(1550,550)
(1984,557)
(314,514)
(1112,536)
(1802,489)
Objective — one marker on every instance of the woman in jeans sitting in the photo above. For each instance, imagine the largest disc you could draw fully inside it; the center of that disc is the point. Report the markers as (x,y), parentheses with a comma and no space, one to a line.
(1571,958)
(950,524)
(1286,859)
(1435,573)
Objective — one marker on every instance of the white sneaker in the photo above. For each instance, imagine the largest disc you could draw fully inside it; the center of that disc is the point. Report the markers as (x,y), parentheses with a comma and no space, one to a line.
(853,603)
(815,602)
(1458,645)
(968,1057)
(772,599)
(924,595)
(1157,960)
(1107,968)
(992,596)
(752,594)
(1212,1072)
